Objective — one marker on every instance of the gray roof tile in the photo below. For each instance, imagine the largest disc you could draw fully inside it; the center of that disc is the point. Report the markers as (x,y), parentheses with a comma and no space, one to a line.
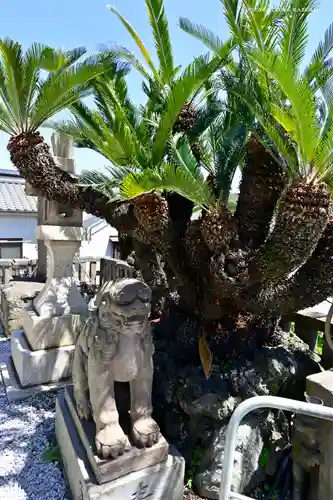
(14,199)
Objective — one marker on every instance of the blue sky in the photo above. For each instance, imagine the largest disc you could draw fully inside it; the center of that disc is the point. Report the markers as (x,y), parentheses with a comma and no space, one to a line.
(72,23)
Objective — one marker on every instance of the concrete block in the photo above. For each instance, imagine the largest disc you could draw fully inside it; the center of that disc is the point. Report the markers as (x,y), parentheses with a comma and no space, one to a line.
(45,333)
(109,469)
(164,481)
(16,392)
(42,366)
(320,385)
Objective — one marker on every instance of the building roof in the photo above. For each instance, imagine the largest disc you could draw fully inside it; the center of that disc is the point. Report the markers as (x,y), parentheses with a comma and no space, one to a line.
(13,197)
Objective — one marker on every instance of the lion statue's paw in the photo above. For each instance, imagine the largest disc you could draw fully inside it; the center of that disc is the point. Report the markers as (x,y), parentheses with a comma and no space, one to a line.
(83,407)
(111,441)
(145,432)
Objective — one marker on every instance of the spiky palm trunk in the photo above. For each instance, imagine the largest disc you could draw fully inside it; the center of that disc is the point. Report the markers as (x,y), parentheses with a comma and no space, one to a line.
(33,159)
(261,186)
(218,229)
(151,211)
(313,283)
(301,218)
(213,262)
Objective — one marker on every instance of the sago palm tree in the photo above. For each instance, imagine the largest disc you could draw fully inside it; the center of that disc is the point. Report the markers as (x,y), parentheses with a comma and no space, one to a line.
(235,268)
(34,86)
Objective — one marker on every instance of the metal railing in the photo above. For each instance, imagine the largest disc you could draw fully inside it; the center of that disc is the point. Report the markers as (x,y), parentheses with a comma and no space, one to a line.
(257,403)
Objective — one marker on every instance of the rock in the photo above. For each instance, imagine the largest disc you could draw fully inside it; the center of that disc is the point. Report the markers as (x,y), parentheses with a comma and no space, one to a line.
(193,412)
(250,443)
(14,296)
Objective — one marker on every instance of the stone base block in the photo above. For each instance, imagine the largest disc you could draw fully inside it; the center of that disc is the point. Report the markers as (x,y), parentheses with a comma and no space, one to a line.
(16,392)
(164,481)
(109,469)
(42,366)
(46,333)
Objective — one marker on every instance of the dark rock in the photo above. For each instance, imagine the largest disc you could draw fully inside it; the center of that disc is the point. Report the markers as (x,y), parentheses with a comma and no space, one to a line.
(193,412)
(250,443)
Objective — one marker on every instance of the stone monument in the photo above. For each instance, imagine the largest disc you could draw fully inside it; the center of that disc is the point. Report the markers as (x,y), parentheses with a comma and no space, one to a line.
(110,450)
(42,353)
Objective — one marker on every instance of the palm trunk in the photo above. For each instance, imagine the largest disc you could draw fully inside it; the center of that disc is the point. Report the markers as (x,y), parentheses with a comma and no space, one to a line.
(313,283)
(33,159)
(301,219)
(261,186)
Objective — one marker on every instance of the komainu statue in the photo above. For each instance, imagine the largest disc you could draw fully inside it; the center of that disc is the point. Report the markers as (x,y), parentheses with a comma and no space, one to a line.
(115,345)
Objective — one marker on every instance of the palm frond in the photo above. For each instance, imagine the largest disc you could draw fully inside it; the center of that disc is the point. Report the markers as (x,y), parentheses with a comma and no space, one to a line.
(181,91)
(206,36)
(108,183)
(169,178)
(324,155)
(12,80)
(299,94)
(159,24)
(234,16)
(117,49)
(61,90)
(229,148)
(183,157)
(136,39)
(256,18)
(320,55)
(294,30)
(205,116)
(6,121)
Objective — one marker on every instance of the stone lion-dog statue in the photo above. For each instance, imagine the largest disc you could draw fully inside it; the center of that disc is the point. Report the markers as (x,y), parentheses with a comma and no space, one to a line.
(115,345)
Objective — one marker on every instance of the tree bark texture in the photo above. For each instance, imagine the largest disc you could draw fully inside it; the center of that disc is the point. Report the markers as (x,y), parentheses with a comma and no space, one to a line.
(232,281)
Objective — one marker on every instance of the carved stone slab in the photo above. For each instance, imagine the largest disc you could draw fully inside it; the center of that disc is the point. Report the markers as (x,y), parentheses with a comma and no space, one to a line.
(109,469)
(42,366)
(45,333)
(60,294)
(163,481)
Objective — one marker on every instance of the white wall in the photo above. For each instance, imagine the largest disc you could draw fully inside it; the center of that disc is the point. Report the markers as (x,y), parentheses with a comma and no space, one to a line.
(20,226)
(99,245)
(24,226)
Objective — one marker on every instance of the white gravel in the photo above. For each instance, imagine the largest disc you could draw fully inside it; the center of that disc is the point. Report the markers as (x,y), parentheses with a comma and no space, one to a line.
(26,431)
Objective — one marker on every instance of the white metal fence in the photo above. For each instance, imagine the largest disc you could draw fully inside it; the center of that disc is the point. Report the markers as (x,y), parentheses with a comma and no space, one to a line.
(257,403)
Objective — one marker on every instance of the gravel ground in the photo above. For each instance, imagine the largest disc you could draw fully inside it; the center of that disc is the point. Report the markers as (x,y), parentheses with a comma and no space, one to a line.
(26,431)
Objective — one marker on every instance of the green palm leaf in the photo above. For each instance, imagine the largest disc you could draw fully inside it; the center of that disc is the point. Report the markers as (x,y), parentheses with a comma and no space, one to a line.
(229,148)
(320,55)
(12,81)
(136,38)
(159,24)
(206,36)
(294,30)
(119,50)
(61,89)
(169,178)
(182,156)
(108,183)
(300,95)
(181,91)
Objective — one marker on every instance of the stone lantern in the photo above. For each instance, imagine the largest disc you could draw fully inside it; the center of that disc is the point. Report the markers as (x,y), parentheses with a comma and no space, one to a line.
(42,352)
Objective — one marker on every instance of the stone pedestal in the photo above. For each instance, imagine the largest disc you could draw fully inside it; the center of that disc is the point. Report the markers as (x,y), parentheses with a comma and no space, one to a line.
(60,294)
(42,353)
(47,333)
(162,481)
(42,366)
(29,372)
(320,385)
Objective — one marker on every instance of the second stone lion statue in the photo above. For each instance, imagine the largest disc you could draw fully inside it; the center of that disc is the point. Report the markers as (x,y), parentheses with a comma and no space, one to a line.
(116,345)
